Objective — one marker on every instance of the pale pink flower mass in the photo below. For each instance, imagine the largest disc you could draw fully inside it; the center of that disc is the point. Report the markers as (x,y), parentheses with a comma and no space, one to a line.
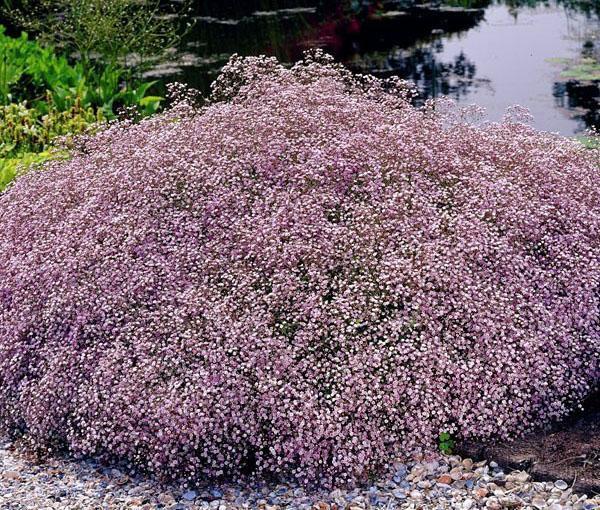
(308,276)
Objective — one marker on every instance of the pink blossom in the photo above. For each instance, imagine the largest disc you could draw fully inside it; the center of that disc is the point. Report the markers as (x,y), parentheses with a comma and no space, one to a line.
(308,277)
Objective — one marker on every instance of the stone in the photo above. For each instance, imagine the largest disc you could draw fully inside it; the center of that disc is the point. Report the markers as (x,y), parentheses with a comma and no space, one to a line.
(189,495)
(11,475)
(399,494)
(456,474)
(416,495)
(467,504)
(518,476)
(510,503)
(445,479)
(561,484)
(165,498)
(493,504)
(481,492)
(216,493)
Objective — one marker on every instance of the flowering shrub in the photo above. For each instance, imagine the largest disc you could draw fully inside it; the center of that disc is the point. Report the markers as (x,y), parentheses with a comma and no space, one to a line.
(306,277)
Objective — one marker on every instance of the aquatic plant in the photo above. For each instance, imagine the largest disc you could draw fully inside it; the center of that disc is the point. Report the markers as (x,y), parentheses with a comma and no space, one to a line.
(307,277)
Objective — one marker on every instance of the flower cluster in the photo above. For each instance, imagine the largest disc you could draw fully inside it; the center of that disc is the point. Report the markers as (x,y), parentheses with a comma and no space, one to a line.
(307,276)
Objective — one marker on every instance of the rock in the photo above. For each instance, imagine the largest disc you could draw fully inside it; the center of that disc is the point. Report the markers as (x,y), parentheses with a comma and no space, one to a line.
(416,495)
(456,474)
(189,495)
(561,484)
(467,464)
(518,476)
(321,505)
(538,502)
(165,498)
(481,492)
(445,479)
(510,503)
(399,494)
(493,504)
(216,493)
(467,504)
(11,475)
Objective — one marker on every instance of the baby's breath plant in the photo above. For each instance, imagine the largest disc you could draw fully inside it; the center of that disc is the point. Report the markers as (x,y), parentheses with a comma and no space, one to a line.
(308,277)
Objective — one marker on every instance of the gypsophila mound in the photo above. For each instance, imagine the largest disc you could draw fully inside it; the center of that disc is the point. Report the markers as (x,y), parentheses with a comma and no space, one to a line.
(306,277)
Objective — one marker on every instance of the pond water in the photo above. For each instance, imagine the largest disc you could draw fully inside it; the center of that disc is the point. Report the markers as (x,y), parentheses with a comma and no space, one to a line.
(541,55)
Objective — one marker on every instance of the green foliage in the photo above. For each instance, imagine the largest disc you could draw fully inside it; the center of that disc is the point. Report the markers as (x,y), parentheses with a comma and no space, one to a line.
(29,71)
(590,142)
(27,133)
(10,167)
(24,129)
(119,33)
(583,70)
(446,443)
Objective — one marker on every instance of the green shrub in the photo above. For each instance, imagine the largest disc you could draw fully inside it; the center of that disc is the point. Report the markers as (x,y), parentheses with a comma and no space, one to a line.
(29,71)
(43,96)
(24,129)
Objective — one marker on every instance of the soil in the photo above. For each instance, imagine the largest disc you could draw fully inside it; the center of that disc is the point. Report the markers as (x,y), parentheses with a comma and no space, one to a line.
(569,451)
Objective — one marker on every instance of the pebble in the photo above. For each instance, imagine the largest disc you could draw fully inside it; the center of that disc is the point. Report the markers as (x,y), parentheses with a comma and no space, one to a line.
(445,483)
(189,495)
(445,479)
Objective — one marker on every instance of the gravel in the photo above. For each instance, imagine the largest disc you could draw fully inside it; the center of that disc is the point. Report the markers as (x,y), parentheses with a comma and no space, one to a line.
(448,483)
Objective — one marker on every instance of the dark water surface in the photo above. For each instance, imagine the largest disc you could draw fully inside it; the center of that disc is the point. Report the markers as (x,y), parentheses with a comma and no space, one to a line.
(492,54)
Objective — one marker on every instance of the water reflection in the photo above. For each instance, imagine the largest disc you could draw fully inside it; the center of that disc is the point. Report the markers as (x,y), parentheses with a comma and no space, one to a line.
(494,54)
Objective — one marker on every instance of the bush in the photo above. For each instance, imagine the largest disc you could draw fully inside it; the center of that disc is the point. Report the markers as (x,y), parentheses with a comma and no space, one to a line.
(309,278)
(24,129)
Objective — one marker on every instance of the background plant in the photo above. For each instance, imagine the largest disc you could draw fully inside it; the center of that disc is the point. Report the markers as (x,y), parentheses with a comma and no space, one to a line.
(11,166)
(43,96)
(125,34)
(29,71)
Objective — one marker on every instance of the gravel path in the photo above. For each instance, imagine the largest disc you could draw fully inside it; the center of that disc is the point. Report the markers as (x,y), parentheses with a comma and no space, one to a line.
(451,483)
